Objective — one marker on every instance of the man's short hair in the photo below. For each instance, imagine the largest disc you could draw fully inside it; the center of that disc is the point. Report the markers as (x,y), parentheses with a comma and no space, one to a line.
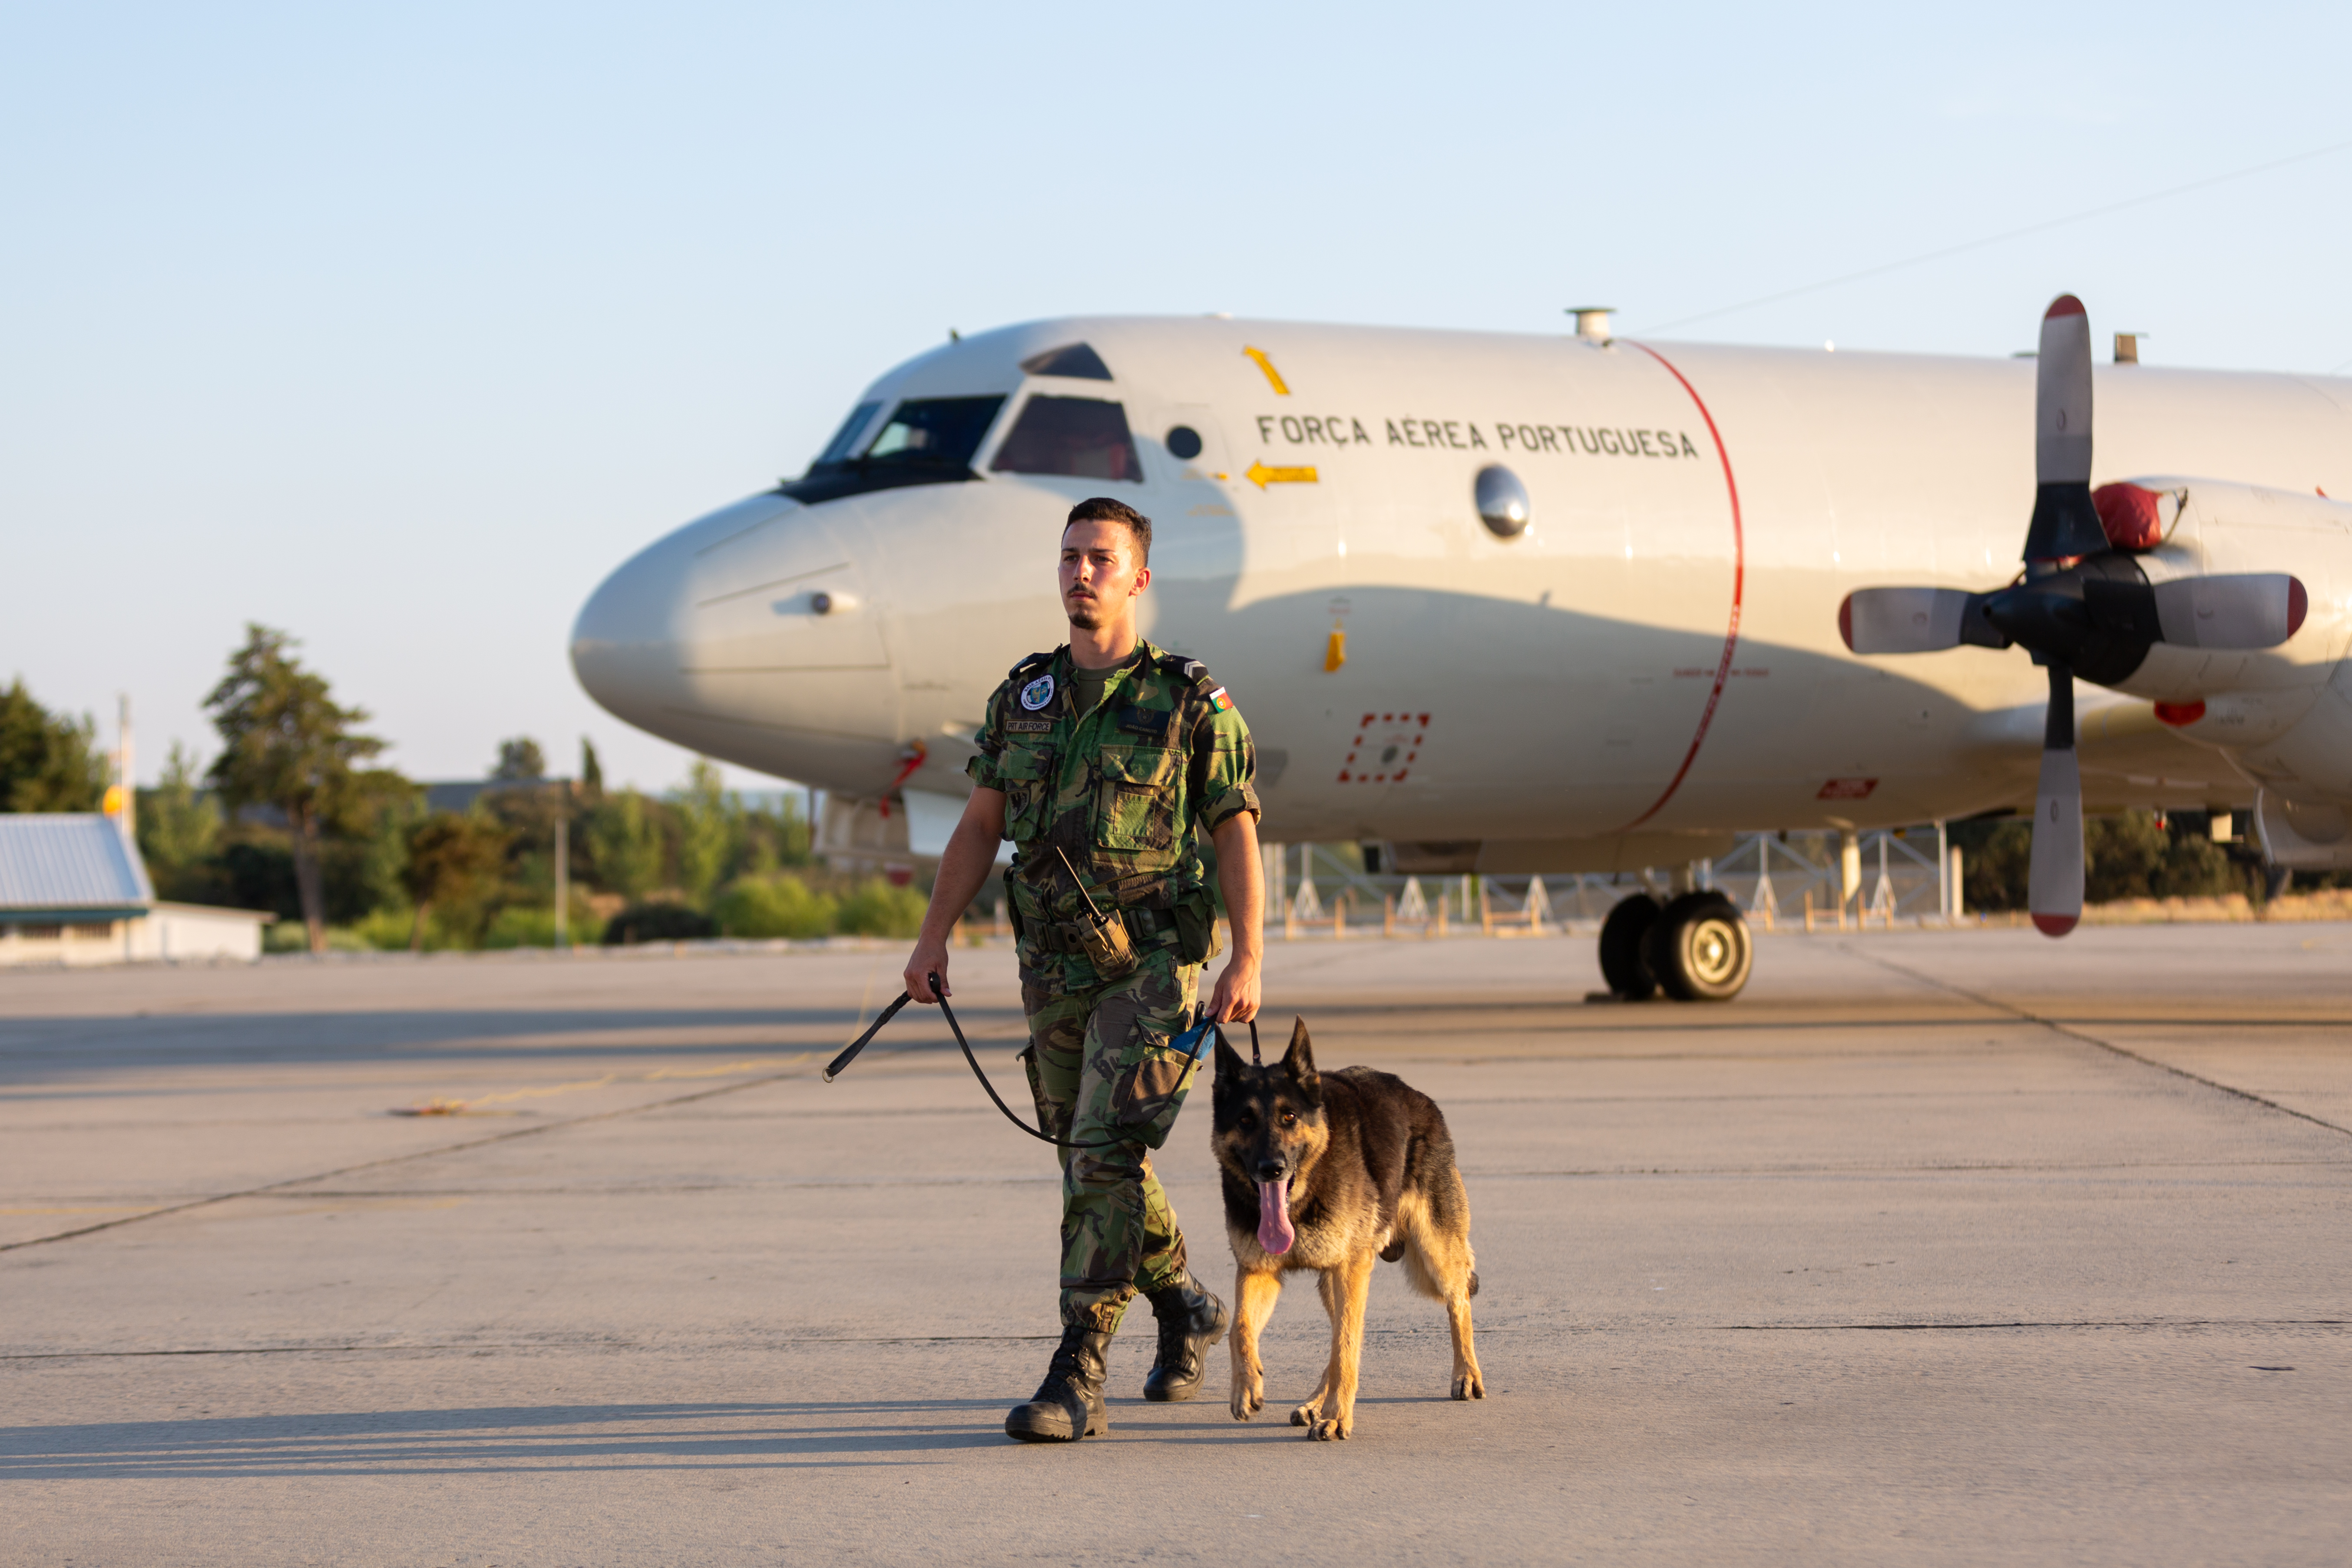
(1102,509)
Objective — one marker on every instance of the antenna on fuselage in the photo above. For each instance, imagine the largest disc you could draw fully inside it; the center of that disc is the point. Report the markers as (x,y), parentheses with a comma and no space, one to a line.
(1592,322)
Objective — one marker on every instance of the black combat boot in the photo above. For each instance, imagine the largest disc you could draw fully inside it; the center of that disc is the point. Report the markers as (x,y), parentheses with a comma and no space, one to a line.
(1068,1405)
(1191,1321)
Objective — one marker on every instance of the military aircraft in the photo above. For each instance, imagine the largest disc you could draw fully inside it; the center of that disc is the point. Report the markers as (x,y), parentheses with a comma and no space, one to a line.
(1536,603)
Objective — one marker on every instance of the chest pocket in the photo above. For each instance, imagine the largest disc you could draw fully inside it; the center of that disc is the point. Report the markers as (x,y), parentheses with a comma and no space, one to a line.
(1028,776)
(1136,802)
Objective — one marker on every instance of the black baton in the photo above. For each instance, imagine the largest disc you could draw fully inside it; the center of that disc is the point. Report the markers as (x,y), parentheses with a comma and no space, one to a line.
(857,1045)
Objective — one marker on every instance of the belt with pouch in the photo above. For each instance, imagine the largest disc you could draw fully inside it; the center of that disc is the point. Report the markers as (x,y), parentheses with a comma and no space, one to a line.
(1149,928)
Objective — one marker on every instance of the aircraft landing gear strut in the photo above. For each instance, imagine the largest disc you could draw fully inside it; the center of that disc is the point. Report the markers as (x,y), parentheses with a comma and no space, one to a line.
(1694,947)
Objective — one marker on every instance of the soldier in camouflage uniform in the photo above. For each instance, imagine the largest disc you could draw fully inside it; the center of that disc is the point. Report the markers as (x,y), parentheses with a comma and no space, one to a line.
(1103,761)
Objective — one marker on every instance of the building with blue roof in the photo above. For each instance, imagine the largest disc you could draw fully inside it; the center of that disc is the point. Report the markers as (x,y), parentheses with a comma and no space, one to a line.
(74,890)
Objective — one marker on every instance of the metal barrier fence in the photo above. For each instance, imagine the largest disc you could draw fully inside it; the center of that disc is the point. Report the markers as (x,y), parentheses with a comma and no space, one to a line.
(1807,879)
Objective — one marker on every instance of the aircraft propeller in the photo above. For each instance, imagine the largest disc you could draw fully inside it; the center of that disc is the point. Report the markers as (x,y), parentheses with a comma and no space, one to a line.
(2082,607)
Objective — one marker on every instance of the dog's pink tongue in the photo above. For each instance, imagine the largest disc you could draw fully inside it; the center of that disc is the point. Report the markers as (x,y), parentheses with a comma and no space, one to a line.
(1274,1232)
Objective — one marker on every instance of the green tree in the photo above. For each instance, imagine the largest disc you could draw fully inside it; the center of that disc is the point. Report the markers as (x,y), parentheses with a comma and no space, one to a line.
(706,831)
(1995,857)
(47,761)
(179,828)
(2196,868)
(2126,854)
(519,759)
(624,845)
(370,852)
(454,861)
(286,742)
(591,771)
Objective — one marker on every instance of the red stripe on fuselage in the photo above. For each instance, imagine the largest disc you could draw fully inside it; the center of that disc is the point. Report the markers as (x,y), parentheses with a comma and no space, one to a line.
(1739,587)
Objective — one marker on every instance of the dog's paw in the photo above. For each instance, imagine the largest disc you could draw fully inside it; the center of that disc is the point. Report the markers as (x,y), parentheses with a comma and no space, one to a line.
(1305,1415)
(1247,1402)
(1335,1429)
(1469,1385)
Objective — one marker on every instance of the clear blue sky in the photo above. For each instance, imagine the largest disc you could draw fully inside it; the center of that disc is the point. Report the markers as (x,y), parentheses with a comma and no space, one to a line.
(398,327)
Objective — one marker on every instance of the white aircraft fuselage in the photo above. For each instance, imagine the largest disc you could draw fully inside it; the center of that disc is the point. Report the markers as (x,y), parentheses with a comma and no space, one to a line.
(1653,664)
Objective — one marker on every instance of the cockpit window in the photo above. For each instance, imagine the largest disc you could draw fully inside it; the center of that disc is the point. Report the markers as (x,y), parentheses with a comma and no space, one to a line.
(1084,437)
(1078,361)
(925,441)
(934,430)
(851,430)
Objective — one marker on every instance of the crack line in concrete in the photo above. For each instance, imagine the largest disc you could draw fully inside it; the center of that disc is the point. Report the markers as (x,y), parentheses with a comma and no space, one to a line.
(269,1187)
(2062,1323)
(2056,1027)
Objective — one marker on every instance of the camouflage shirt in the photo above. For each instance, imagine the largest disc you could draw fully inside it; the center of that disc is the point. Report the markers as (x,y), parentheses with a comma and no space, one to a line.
(1123,789)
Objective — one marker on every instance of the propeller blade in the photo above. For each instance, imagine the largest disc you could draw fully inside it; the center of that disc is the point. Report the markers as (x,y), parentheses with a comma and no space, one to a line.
(1904,620)
(2241,610)
(2065,523)
(2244,610)
(2055,877)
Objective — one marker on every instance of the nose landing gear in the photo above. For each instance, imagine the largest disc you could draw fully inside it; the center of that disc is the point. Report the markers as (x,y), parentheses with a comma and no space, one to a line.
(1695,947)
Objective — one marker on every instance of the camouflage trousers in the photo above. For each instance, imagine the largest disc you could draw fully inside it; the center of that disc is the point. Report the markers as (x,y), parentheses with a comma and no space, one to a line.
(1100,1067)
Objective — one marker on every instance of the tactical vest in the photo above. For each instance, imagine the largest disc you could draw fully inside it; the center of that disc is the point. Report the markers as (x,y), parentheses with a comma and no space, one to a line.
(1111,790)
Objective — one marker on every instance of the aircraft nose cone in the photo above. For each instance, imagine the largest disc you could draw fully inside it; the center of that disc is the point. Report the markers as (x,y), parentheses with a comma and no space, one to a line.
(751,636)
(631,642)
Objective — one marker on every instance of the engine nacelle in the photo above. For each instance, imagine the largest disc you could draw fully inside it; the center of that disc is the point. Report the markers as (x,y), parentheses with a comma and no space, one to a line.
(2211,526)
(2304,837)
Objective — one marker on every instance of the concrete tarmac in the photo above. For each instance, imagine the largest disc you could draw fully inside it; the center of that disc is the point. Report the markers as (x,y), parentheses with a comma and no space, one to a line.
(1937,1248)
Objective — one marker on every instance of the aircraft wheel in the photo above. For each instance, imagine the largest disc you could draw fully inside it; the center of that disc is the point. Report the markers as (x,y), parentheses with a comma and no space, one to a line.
(1699,949)
(1623,937)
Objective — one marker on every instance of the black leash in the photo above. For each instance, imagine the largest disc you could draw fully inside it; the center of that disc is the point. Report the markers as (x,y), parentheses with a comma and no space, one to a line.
(857,1045)
(939,995)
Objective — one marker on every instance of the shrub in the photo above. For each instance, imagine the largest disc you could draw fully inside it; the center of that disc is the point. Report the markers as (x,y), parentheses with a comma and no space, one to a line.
(2196,868)
(386,929)
(658,922)
(772,906)
(520,926)
(293,936)
(877,909)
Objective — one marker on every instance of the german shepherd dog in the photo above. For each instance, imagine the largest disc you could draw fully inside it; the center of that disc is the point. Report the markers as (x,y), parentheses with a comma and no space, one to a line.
(1329,1171)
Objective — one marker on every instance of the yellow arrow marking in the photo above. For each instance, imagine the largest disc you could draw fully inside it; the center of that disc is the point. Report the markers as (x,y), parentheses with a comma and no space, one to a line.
(1272,374)
(1261,475)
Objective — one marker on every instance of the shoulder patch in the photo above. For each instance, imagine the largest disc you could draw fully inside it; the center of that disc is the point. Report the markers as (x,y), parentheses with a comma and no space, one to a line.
(1038,692)
(1219,702)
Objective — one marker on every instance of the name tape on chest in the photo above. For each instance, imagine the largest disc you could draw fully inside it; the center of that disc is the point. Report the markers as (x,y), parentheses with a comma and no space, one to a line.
(1029,726)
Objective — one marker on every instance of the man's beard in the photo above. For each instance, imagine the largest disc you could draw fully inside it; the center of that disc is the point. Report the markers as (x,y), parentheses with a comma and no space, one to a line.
(1087,614)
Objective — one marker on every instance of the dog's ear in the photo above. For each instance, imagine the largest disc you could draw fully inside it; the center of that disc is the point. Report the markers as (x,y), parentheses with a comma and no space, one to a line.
(1229,1061)
(1299,1061)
